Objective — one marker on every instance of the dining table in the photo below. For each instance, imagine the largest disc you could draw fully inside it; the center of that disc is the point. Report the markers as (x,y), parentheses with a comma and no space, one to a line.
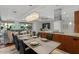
(42,46)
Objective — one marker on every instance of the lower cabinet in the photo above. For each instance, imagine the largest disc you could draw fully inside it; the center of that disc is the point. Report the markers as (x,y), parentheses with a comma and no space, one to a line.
(43,34)
(68,43)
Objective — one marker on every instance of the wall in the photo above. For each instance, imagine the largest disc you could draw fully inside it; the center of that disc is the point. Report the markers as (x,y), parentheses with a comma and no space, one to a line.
(44,12)
(57,26)
(36,26)
(67,16)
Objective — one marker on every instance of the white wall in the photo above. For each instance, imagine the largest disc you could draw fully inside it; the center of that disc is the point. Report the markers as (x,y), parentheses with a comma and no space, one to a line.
(57,26)
(67,17)
(36,26)
(45,12)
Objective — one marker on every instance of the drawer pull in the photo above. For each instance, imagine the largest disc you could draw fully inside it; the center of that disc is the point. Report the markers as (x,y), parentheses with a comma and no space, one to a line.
(75,39)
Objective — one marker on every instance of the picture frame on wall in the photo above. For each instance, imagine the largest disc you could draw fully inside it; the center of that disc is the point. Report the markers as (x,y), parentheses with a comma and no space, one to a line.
(46,25)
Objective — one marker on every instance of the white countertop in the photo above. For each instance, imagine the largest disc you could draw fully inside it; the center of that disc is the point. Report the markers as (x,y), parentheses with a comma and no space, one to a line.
(47,31)
(63,33)
(69,34)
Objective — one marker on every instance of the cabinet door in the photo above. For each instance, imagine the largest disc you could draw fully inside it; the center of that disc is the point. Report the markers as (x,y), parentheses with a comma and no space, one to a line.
(76,45)
(76,17)
(67,42)
(76,21)
(43,35)
(56,37)
(59,38)
(77,28)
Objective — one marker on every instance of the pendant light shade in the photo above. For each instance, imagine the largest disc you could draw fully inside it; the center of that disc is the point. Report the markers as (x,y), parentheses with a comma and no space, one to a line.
(32,17)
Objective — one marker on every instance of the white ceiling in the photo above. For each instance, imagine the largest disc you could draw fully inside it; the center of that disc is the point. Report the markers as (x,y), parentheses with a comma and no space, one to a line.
(7,12)
(15,12)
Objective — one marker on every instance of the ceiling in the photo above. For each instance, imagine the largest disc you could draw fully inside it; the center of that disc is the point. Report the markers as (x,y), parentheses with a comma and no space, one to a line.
(15,12)
(19,12)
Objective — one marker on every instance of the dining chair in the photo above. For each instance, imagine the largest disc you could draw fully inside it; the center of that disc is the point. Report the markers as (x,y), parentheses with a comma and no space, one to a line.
(13,38)
(24,50)
(16,42)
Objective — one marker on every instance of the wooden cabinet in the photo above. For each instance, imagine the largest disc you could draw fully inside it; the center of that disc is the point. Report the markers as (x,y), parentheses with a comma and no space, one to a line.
(43,34)
(76,21)
(68,43)
(76,45)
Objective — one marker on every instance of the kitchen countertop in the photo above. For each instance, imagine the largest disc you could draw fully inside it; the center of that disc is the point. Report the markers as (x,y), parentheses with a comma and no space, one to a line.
(63,33)
(69,34)
(47,31)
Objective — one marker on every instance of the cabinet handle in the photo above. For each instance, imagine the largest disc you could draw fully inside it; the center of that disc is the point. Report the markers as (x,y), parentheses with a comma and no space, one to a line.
(75,39)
